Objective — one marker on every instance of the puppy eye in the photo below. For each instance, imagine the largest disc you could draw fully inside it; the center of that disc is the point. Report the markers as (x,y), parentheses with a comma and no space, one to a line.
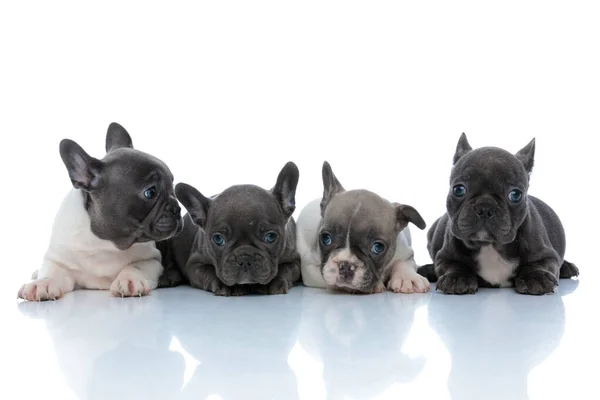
(515,195)
(218,239)
(270,237)
(459,190)
(150,193)
(326,239)
(377,248)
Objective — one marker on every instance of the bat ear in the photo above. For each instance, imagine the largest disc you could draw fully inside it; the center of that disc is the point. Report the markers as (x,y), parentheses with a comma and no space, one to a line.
(117,137)
(463,147)
(194,202)
(285,188)
(406,214)
(526,155)
(331,186)
(85,171)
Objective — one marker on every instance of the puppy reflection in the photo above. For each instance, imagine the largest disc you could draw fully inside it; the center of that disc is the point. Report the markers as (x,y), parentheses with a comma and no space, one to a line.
(242,345)
(358,342)
(113,349)
(497,340)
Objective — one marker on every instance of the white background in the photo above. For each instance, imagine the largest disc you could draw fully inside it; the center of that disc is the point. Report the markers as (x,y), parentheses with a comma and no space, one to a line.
(227,92)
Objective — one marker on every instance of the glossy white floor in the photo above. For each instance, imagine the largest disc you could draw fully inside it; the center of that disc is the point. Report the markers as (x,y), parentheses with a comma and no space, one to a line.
(310,344)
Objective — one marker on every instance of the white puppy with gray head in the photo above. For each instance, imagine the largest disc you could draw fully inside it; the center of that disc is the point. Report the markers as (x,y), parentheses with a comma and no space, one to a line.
(105,230)
(357,241)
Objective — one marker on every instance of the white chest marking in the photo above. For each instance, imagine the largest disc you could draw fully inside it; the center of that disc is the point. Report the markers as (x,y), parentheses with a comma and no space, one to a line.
(494,268)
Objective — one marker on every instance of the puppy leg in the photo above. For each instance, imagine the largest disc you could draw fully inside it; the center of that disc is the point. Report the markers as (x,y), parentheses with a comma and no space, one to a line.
(568,270)
(203,276)
(288,274)
(537,278)
(137,279)
(170,278)
(405,279)
(311,276)
(50,283)
(455,278)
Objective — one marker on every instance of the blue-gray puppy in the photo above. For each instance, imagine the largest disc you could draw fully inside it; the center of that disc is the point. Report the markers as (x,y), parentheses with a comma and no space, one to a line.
(494,234)
(239,242)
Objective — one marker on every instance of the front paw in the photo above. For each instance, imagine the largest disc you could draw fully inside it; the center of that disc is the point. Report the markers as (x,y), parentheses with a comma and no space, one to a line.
(536,282)
(219,288)
(457,283)
(276,286)
(411,282)
(130,286)
(42,290)
(170,278)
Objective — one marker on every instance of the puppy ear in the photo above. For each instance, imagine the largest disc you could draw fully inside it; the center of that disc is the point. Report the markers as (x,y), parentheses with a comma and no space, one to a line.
(116,137)
(331,186)
(285,188)
(194,202)
(406,214)
(84,170)
(526,154)
(462,148)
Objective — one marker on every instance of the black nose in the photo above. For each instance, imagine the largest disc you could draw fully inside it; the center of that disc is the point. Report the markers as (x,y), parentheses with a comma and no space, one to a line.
(174,208)
(485,210)
(346,269)
(245,260)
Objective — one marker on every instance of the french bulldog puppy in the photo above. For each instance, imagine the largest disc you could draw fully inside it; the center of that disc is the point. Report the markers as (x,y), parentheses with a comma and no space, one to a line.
(239,242)
(494,234)
(104,234)
(357,241)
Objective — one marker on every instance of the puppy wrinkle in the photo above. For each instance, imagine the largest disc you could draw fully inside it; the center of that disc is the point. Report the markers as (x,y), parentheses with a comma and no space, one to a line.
(350,223)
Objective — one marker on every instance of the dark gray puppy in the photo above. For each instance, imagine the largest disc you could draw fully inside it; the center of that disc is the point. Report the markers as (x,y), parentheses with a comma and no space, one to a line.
(239,242)
(494,234)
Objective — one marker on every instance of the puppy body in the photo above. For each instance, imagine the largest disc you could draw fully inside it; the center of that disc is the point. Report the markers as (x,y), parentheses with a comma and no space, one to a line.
(357,241)
(102,238)
(309,225)
(239,242)
(495,234)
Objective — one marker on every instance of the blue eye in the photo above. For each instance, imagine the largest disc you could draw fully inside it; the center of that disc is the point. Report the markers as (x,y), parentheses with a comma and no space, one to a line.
(515,195)
(150,193)
(270,237)
(218,239)
(326,239)
(459,190)
(377,248)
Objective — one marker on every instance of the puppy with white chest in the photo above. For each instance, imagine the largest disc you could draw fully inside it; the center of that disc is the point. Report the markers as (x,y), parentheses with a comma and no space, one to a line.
(239,242)
(104,233)
(357,241)
(494,234)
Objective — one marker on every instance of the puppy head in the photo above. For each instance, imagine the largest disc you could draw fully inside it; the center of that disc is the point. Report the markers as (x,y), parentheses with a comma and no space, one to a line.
(246,227)
(358,235)
(487,201)
(128,194)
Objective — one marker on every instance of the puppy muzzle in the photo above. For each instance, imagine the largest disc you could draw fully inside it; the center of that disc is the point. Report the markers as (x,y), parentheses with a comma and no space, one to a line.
(163,221)
(483,221)
(247,265)
(348,274)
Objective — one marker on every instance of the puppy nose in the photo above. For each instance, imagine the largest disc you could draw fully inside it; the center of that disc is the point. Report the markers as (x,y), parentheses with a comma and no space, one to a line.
(485,210)
(174,208)
(245,260)
(346,269)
